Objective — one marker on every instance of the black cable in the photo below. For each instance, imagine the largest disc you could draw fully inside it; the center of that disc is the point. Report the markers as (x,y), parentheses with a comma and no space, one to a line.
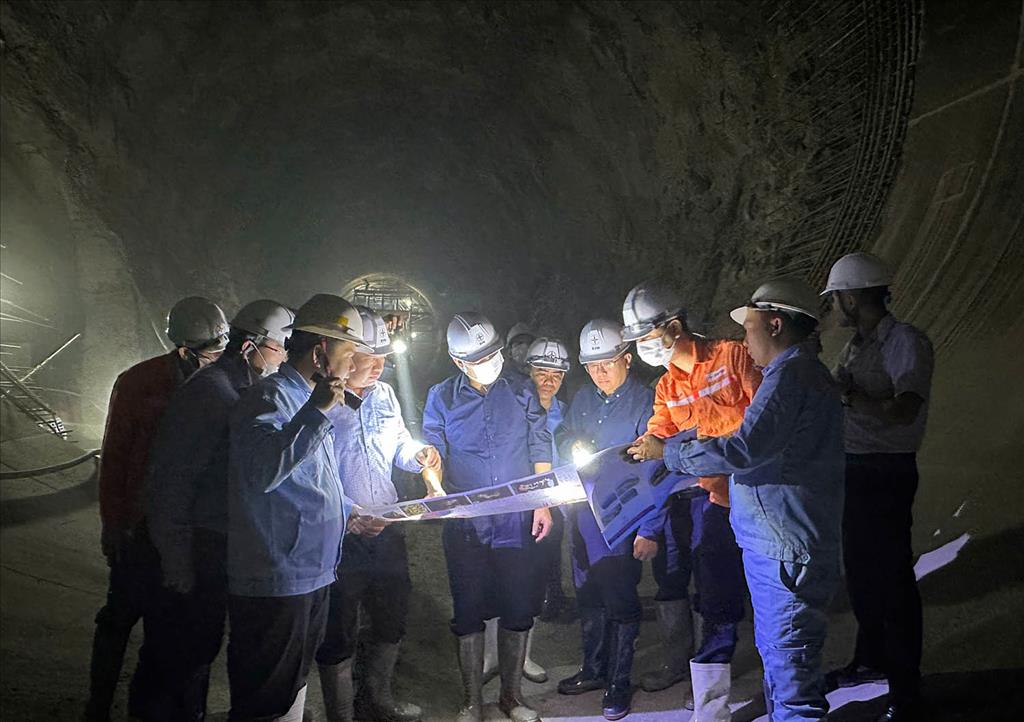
(22,473)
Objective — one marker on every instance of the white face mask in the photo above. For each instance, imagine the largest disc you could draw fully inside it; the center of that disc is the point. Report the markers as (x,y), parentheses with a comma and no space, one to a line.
(654,352)
(267,370)
(486,372)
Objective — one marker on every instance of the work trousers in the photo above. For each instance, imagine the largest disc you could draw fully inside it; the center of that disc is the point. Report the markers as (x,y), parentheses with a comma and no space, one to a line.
(548,563)
(699,541)
(374,573)
(193,627)
(486,582)
(271,646)
(789,601)
(879,565)
(131,595)
(610,585)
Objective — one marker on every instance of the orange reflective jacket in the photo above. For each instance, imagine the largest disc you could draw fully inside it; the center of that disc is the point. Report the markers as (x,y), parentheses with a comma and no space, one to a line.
(711,399)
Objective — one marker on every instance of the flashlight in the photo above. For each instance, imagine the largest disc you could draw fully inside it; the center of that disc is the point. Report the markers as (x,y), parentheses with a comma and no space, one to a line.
(399,346)
(581,454)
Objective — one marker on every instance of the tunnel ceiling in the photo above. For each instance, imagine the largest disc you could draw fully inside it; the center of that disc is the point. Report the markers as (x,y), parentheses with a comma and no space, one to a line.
(532,159)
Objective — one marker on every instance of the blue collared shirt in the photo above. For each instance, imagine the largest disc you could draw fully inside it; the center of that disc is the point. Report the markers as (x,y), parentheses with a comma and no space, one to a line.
(486,439)
(368,441)
(601,421)
(286,508)
(555,416)
(187,478)
(786,462)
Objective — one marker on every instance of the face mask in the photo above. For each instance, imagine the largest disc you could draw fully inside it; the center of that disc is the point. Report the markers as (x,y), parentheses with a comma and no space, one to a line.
(268,370)
(654,352)
(486,372)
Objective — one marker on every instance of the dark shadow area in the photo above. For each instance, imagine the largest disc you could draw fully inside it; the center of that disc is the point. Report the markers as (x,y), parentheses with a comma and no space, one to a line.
(995,695)
(983,566)
(16,512)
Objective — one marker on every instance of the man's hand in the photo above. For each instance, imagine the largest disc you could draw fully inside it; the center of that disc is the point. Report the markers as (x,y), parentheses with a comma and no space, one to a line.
(542,523)
(365,525)
(717,488)
(179,577)
(432,480)
(328,392)
(429,458)
(111,542)
(644,549)
(647,448)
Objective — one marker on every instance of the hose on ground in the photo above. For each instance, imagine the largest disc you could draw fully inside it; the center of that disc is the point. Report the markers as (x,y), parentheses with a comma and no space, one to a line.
(64,465)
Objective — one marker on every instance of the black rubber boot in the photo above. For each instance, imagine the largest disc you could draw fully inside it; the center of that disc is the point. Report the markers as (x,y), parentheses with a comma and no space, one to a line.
(619,693)
(375,700)
(511,655)
(336,685)
(675,622)
(108,647)
(594,669)
(471,665)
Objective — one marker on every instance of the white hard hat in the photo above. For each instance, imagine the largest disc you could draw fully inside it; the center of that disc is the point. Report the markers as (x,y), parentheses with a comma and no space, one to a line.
(601,340)
(858,270)
(783,294)
(648,306)
(520,329)
(471,337)
(265,318)
(198,323)
(375,332)
(331,316)
(548,353)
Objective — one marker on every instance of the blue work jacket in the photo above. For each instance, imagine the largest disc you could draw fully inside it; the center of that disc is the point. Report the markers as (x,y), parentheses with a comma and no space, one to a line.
(600,422)
(187,478)
(786,462)
(286,508)
(486,439)
(368,441)
(555,416)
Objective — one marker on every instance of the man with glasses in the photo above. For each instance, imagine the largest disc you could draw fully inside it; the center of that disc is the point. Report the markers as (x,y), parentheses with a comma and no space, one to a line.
(613,410)
(186,504)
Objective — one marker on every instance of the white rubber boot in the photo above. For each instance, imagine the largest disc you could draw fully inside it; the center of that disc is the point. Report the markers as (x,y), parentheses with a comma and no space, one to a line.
(531,670)
(294,713)
(711,684)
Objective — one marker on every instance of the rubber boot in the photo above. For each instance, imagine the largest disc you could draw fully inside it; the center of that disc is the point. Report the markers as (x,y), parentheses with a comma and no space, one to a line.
(108,647)
(711,684)
(375,700)
(511,655)
(490,650)
(676,624)
(594,669)
(531,670)
(619,693)
(295,712)
(471,665)
(336,684)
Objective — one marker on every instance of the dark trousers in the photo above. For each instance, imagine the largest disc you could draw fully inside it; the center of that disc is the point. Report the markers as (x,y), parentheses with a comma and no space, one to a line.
(611,586)
(193,627)
(487,582)
(548,564)
(699,541)
(131,596)
(271,647)
(374,573)
(879,566)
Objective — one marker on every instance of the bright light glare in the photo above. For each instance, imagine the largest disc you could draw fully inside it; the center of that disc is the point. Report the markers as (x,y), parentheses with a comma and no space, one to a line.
(399,346)
(581,455)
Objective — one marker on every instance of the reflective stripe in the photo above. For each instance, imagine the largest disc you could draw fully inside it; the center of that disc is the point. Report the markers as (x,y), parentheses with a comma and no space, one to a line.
(706,391)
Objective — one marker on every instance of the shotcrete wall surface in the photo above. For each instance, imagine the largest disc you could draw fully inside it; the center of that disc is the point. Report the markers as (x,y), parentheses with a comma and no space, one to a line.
(534,161)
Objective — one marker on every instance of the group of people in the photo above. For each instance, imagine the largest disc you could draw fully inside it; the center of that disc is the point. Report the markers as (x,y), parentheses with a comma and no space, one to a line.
(238,470)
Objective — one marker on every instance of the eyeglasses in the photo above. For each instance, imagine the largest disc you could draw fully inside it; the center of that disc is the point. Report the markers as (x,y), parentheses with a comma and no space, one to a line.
(604,365)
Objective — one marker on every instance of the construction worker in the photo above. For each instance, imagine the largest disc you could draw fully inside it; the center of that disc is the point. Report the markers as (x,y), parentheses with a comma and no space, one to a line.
(613,410)
(786,486)
(489,429)
(517,345)
(186,498)
(704,393)
(199,331)
(287,512)
(374,571)
(885,374)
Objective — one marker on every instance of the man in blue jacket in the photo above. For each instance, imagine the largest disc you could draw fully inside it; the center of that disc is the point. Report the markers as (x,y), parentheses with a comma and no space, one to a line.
(612,411)
(488,429)
(374,571)
(286,513)
(186,500)
(786,490)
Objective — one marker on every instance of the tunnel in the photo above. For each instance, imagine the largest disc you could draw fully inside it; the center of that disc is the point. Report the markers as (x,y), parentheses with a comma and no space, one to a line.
(532,161)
